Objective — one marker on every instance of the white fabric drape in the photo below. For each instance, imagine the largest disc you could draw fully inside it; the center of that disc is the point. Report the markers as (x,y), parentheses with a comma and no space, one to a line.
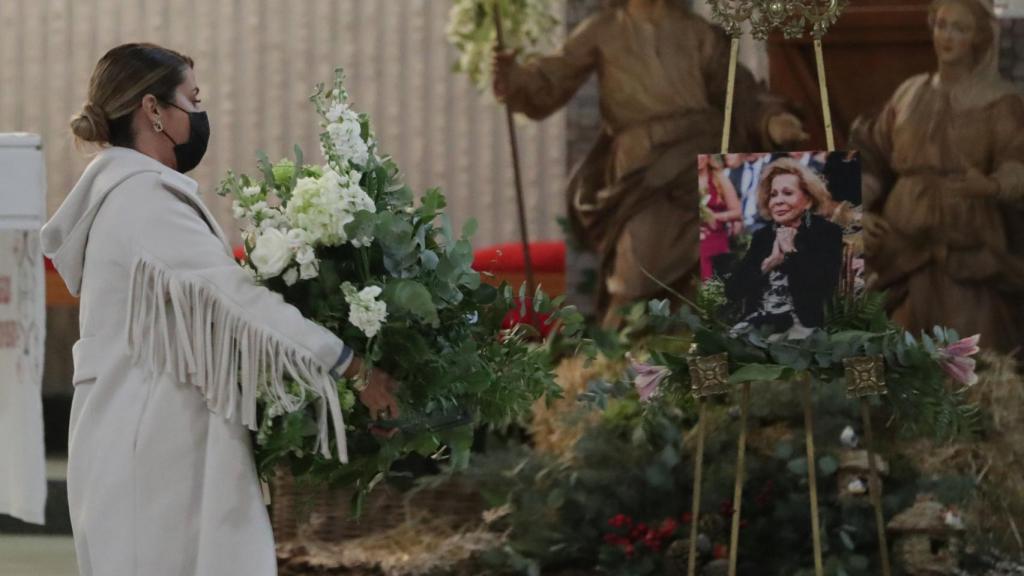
(22,329)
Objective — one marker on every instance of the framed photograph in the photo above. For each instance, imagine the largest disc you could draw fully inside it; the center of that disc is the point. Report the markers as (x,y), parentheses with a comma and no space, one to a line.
(780,236)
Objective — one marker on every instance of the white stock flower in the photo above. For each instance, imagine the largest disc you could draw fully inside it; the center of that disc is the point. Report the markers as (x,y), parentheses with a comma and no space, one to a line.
(272,253)
(347,139)
(238,210)
(250,191)
(365,311)
(340,112)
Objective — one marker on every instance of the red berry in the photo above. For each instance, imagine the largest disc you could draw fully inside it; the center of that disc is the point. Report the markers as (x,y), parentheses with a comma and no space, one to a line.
(720,551)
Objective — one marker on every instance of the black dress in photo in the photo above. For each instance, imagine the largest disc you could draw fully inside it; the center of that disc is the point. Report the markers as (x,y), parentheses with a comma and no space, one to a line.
(793,296)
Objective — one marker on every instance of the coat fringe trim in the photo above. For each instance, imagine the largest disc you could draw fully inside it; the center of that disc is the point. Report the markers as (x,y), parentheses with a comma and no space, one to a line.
(180,326)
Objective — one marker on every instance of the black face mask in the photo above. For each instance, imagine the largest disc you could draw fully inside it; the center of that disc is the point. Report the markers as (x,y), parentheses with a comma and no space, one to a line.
(189,154)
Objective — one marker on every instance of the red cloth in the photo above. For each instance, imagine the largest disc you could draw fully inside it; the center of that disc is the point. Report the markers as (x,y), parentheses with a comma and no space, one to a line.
(547,256)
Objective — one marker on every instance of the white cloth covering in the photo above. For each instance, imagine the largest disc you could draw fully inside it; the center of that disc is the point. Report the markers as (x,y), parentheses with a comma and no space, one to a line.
(22,328)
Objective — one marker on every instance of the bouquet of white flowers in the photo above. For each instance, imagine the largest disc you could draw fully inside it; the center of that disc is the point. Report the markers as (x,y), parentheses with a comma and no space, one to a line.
(346,244)
(530,26)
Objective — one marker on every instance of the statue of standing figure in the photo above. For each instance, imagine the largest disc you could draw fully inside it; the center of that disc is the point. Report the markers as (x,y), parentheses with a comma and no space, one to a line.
(943,186)
(662,74)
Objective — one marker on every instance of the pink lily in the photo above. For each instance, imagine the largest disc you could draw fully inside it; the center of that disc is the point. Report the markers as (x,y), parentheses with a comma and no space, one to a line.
(648,378)
(955,360)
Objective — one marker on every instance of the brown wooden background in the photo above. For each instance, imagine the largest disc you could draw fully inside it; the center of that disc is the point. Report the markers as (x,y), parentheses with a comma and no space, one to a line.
(875,46)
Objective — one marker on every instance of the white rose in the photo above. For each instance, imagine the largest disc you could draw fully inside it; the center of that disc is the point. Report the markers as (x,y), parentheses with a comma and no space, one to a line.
(272,253)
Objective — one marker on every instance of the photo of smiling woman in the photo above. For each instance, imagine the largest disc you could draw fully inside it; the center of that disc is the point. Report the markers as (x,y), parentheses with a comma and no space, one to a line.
(793,266)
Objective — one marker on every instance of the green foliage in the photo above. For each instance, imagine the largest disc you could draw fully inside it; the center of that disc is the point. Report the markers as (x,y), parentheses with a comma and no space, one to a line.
(920,396)
(442,338)
(632,465)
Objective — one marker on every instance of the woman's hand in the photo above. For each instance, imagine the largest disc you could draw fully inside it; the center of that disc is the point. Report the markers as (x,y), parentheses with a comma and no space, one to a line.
(378,395)
(785,244)
(501,65)
(786,129)
(774,259)
(772,262)
(785,239)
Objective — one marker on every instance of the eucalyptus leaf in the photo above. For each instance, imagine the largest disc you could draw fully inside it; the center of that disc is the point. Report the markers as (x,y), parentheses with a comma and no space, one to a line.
(798,466)
(412,297)
(759,373)
(828,465)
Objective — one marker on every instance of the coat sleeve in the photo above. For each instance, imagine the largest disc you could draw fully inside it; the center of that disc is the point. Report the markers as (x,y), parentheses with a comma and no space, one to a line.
(543,85)
(746,284)
(814,270)
(195,313)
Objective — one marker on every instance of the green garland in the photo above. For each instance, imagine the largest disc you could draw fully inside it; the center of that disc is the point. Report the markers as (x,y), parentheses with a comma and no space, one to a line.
(920,394)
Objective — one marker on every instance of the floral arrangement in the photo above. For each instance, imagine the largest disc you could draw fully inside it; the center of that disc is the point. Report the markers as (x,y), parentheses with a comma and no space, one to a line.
(918,368)
(618,500)
(345,242)
(528,26)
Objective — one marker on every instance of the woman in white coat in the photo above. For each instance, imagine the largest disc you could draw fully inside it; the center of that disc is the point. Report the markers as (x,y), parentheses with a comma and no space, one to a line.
(175,341)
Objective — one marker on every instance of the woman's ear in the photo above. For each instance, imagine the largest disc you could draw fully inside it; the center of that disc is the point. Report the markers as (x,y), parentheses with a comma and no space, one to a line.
(150,107)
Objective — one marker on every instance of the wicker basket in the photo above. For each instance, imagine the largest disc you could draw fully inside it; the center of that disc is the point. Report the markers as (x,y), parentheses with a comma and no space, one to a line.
(303,513)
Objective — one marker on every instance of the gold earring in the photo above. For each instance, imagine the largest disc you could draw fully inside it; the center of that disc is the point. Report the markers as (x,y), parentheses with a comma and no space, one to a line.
(158,125)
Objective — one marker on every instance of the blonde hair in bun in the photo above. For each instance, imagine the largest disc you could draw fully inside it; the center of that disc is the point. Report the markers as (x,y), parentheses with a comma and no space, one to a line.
(90,125)
(122,77)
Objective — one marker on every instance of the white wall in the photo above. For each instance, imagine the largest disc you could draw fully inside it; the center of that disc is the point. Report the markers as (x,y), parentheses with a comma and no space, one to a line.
(257,60)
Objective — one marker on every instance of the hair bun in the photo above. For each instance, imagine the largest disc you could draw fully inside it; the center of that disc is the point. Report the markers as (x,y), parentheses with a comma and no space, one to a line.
(91,124)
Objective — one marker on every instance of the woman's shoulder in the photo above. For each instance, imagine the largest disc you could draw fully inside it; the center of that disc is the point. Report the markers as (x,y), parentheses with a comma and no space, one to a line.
(824,228)
(763,233)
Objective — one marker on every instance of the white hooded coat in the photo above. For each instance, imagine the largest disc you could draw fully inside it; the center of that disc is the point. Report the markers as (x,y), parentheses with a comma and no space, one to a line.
(176,340)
